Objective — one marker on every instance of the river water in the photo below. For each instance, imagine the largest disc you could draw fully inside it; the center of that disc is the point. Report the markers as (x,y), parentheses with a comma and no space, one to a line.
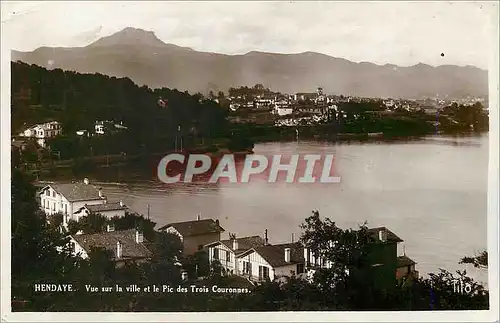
(432,193)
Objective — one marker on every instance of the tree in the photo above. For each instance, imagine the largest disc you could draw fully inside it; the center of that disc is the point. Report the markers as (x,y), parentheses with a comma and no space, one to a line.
(39,253)
(259,87)
(135,221)
(478,261)
(92,223)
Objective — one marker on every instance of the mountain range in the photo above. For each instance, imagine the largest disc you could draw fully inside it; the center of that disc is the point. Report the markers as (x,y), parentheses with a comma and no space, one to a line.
(147,60)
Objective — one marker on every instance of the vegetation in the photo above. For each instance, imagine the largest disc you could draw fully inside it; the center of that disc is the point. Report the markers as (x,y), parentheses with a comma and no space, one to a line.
(478,261)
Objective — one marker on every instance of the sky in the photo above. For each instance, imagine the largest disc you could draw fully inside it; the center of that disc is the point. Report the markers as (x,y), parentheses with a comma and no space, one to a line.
(401,33)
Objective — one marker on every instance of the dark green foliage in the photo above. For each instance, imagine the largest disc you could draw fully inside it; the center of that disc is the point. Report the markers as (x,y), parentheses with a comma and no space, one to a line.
(479,261)
(197,265)
(78,100)
(465,117)
(93,223)
(135,221)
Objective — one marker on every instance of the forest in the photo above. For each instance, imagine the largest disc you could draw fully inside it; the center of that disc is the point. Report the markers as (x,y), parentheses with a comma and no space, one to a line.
(154,118)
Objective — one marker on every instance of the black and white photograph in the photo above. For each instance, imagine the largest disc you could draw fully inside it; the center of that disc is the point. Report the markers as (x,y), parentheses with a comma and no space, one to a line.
(249,161)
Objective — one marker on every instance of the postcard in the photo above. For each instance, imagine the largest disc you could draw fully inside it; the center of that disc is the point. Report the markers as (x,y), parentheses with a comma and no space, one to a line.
(250,161)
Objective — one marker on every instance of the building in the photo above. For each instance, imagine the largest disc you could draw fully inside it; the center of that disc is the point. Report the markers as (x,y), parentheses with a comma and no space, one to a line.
(282,107)
(305,96)
(312,109)
(226,252)
(406,268)
(384,266)
(195,234)
(383,256)
(43,131)
(68,198)
(109,210)
(107,127)
(263,102)
(100,127)
(269,262)
(126,245)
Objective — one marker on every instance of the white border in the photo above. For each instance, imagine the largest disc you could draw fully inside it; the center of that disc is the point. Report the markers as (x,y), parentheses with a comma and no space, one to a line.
(442,316)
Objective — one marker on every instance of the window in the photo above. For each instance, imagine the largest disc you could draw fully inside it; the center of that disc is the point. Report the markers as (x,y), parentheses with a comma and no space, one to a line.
(228,256)
(53,193)
(300,268)
(65,208)
(247,268)
(263,272)
(216,253)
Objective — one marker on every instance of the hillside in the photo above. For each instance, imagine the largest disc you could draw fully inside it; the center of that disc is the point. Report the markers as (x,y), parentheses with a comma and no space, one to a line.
(78,100)
(146,59)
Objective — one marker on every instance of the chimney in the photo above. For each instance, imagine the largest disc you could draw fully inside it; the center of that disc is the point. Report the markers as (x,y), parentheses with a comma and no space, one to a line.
(86,181)
(287,254)
(139,237)
(105,201)
(121,203)
(266,240)
(118,249)
(235,243)
(382,235)
(100,193)
(198,217)
(217,222)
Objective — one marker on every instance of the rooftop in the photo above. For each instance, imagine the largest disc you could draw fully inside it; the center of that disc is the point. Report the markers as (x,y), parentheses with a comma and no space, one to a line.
(275,254)
(196,227)
(391,237)
(244,243)
(107,240)
(76,191)
(404,261)
(106,207)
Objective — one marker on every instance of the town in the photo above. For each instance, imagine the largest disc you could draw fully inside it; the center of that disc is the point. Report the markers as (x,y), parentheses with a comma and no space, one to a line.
(251,257)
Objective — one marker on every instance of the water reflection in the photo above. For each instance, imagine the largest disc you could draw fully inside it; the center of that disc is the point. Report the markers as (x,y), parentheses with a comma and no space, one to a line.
(431,193)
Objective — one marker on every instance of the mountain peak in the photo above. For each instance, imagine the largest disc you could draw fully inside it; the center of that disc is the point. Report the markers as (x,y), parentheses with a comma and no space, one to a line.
(130,36)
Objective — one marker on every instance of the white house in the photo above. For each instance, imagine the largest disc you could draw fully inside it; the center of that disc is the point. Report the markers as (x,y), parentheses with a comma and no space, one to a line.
(109,210)
(282,110)
(68,198)
(103,127)
(226,252)
(100,127)
(43,131)
(271,261)
(194,235)
(126,245)
(234,106)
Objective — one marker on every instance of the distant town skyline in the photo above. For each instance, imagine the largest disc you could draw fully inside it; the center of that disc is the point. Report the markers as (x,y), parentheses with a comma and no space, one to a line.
(401,33)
